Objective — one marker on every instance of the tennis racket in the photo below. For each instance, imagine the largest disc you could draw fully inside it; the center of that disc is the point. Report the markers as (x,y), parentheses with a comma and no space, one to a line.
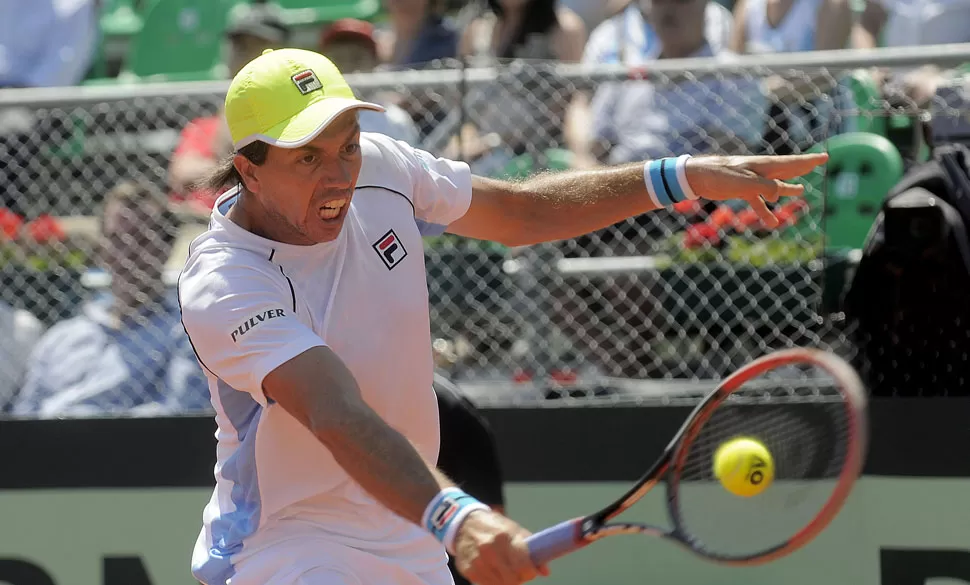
(807,407)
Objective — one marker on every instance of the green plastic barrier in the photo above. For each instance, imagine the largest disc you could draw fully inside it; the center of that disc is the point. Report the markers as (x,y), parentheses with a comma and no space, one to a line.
(862,169)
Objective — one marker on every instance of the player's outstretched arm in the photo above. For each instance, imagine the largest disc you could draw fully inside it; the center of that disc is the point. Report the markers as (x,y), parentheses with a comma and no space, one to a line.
(557,206)
(317,389)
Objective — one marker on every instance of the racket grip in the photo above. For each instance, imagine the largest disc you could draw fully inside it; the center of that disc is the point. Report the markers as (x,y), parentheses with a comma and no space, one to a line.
(556,541)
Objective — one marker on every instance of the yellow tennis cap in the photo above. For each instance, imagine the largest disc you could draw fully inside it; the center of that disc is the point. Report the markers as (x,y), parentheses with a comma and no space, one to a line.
(286,97)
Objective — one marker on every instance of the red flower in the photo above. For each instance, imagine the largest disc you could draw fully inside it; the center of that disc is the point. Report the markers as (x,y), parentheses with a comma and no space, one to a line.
(688,207)
(10,224)
(789,213)
(723,217)
(699,234)
(45,229)
(748,219)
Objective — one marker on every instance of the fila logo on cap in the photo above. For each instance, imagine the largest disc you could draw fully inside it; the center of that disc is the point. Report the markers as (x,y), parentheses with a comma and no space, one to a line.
(390,249)
(306,81)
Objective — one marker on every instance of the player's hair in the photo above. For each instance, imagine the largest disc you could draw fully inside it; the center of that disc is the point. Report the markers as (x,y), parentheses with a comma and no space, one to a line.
(225,173)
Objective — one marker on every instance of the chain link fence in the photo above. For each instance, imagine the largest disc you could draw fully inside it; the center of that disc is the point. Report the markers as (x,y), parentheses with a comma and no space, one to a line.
(654,307)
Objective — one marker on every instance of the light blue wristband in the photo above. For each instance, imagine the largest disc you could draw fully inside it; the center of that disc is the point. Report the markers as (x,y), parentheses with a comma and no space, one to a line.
(445,513)
(666,180)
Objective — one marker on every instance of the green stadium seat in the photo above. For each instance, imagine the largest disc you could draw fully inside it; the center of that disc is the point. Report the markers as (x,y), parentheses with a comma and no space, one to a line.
(118,22)
(873,116)
(559,159)
(179,37)
(315,12)
(867,96)
(123,17)
(862,168)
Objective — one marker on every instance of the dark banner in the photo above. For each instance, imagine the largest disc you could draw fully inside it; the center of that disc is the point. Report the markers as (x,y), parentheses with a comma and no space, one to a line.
(119,502)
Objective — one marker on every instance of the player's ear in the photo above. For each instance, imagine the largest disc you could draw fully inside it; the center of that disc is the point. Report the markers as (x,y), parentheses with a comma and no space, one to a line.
(247,172)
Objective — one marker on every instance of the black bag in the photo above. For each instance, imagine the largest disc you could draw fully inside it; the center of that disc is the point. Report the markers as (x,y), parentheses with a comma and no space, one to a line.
(908,304)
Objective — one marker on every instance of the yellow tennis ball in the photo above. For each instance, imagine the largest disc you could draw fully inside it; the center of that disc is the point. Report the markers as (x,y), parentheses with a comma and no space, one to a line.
(744,466)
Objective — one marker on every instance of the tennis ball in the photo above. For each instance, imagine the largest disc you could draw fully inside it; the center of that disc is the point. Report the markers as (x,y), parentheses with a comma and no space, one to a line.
(744,466)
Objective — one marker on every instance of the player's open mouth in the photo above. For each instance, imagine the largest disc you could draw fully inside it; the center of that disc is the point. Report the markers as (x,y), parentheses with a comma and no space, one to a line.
(332,209)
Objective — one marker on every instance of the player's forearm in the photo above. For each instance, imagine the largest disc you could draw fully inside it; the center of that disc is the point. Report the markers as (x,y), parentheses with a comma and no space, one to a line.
(319,390)
(384,463)
(558,206)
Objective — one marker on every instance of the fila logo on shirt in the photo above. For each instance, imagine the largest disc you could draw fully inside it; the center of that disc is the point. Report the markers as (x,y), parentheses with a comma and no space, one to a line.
(306,81)
(256,320)
(390,249)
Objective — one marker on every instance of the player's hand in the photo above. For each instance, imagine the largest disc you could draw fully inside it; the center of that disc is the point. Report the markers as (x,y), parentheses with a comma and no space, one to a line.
(755,179)
(490,549)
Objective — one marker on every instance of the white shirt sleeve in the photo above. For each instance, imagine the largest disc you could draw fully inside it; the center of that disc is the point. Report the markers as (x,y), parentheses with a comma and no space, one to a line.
(603,43)
(719,22)
(440,189)
(241,323)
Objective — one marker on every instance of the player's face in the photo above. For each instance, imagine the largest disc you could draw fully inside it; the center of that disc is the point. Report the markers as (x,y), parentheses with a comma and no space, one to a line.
(306,191)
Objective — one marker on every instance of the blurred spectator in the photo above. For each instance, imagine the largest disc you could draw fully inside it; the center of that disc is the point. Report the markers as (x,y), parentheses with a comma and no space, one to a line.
(789,26)
(528,109)
(524,29)
(126,352)
(418,33)
(630,37)
(909,23)
(802,116)
(594,12)
(350,44)
(43,43)
(636,120)
(19,331)
(252,29)
(47,43)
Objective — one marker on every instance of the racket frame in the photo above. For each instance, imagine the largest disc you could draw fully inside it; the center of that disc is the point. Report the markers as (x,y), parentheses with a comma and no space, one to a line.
(571,535)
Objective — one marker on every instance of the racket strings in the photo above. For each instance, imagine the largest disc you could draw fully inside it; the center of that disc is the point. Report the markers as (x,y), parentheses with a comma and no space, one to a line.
(804,424)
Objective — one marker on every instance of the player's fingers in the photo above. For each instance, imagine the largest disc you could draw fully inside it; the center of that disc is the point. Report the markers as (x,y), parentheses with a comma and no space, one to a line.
(481,570)
(789,190)
(504,563)
(521,545)
(771,190)
(767,218)
(482,574)
(785,167)
(517,556)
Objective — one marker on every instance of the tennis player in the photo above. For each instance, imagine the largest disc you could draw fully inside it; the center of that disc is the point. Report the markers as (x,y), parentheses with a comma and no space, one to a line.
(307,304)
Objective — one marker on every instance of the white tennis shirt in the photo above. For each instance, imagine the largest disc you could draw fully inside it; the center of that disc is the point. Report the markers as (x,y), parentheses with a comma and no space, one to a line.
(250,304)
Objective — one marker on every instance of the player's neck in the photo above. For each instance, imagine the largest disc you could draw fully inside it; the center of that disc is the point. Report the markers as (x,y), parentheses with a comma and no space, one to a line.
(251,216)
